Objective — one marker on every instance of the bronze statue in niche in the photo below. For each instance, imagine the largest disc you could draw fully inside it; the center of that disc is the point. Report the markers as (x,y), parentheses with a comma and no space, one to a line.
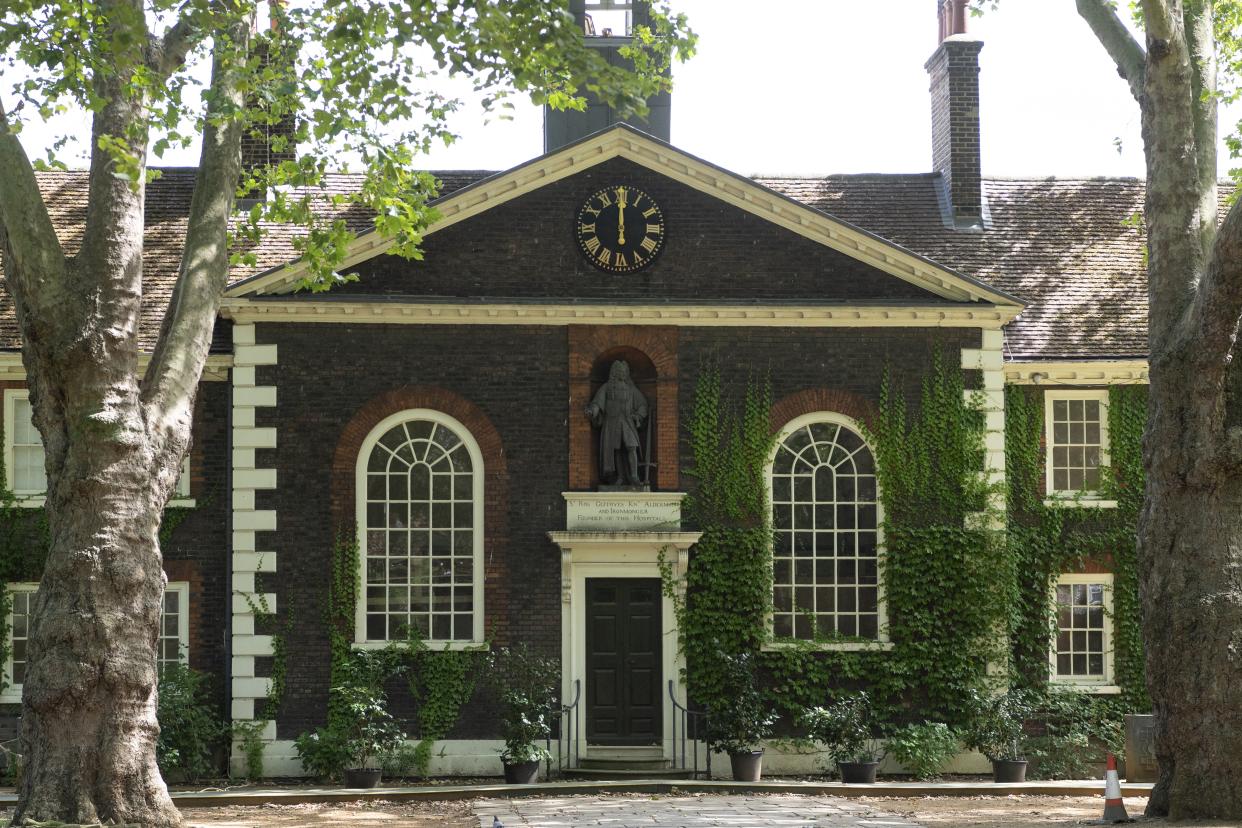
(619,410)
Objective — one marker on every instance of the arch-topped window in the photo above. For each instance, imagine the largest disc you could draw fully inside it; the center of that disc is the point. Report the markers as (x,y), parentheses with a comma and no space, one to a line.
(420,525)
(825,513)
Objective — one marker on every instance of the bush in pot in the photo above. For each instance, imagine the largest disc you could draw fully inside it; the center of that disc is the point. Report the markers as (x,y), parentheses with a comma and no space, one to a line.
(362,732)
(526,685)
(924,748)
(740,722)
(996,730)
(845,729)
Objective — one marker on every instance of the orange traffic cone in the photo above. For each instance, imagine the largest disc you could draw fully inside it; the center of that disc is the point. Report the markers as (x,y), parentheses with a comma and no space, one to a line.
(1114,808)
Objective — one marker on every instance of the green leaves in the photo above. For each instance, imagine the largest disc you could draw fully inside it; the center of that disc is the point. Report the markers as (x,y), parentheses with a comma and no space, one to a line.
(355,83)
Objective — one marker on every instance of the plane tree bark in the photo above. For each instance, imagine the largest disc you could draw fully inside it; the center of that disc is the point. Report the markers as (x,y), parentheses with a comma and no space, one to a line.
(1190,528)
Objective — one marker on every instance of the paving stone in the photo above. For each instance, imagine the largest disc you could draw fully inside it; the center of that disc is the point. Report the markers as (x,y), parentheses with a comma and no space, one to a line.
(780,811)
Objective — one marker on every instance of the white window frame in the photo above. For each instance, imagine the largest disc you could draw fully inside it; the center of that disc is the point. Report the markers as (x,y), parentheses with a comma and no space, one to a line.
(1064,497)
(1104,684)
(882,641)
(182,588)
(13,692)
(360,495)
(35,500)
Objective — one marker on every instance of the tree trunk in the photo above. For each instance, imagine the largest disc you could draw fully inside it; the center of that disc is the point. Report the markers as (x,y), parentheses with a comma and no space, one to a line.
(89,704)
(1190,544)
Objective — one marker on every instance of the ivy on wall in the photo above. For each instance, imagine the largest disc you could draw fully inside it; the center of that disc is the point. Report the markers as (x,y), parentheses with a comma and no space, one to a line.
(728,593)
(441,682)
(1050,540)
(968,604)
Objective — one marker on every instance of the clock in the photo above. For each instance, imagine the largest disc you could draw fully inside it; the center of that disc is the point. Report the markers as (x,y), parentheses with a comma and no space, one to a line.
(620,229)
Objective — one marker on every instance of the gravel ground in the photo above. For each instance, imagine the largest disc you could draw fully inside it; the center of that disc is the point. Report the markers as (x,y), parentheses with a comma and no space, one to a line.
(933,812)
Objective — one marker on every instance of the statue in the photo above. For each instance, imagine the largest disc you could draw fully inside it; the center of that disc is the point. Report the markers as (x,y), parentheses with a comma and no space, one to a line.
(618,410)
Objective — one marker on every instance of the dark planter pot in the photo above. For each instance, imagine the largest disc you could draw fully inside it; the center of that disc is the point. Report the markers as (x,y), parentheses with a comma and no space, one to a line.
(522,773)
(858,773)
(362,777)
(1008,770)
(747,767)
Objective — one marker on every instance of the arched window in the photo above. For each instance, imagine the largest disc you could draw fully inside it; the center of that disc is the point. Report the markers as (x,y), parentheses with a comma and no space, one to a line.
(420,524)
(825,512)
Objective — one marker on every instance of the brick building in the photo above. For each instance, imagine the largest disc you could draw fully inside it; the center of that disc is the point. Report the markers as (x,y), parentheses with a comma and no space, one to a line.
(436,407)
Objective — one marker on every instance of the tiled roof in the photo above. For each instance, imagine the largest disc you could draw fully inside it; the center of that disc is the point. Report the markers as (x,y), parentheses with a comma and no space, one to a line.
(1068,247)
(1065,246)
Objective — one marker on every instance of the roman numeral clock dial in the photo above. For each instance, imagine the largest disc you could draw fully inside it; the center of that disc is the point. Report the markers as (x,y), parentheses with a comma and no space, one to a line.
(620,229)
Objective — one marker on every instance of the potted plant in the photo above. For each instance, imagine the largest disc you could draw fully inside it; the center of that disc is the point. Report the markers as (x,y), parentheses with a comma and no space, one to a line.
(362,730)
(996,730)
(738,725)
(526,684)
(845,728)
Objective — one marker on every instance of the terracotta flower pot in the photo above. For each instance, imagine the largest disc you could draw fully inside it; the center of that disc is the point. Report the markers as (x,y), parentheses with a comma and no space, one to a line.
(747,767)
(858,773)
(362,777)
(521,773)
(1008,770)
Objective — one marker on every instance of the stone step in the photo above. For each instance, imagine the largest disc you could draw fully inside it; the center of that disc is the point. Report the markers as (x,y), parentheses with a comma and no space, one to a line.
(623,763)
(626,773)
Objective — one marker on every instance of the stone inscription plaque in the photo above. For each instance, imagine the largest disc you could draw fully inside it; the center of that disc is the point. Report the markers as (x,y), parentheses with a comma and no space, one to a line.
(623,512)
(1141,749)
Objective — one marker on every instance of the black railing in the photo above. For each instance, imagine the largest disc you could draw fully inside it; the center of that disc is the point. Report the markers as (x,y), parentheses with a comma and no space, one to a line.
(693,727)
(568,734)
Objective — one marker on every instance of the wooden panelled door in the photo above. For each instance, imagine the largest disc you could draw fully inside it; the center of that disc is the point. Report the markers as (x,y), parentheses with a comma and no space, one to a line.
(623,658)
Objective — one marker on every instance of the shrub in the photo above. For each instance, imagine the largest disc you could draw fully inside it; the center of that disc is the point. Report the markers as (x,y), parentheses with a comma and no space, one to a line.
(995,728)
(924,748)
(191,731)
(362,730)
(1077,731)
(845,729)
(742,721)
(526,684)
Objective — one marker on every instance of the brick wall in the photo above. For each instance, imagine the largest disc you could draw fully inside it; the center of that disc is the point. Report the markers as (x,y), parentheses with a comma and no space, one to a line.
(526,248)
(508,384)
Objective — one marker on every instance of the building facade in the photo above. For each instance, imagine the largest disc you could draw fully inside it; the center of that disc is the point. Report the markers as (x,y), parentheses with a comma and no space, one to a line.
(434,413)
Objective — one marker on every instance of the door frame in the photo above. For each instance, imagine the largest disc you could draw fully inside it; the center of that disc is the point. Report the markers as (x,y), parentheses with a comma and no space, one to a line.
(618,555)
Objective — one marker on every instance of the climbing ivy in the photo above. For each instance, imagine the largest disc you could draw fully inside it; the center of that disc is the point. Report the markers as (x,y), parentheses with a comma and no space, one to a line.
(727,591)
(1048,540)
(946,574)
(440,681)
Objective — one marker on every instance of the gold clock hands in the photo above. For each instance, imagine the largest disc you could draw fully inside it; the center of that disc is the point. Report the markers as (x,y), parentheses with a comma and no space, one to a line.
(621,215)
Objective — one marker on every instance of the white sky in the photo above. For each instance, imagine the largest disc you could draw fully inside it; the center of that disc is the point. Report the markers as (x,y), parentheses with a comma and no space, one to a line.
(821,86)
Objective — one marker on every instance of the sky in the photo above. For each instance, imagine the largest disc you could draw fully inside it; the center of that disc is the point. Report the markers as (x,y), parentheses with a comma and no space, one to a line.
(838,86)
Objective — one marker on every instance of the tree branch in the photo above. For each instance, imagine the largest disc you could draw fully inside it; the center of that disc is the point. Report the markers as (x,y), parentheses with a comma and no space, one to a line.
(1121,46)
(171,380)
(31,242)
(169,52)
(1198,16)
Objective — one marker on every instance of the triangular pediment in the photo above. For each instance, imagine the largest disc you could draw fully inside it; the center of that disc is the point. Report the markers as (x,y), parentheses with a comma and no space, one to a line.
(637,148)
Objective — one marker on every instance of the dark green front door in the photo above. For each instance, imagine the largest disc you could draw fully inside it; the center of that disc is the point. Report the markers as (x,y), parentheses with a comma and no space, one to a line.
(623,701)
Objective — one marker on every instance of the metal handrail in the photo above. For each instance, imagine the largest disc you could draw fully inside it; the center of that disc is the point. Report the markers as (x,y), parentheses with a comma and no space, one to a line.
(568,731)
(699,719)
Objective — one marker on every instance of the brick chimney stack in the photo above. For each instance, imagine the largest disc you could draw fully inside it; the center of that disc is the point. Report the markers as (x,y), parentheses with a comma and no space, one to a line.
(257,142)
(954,73)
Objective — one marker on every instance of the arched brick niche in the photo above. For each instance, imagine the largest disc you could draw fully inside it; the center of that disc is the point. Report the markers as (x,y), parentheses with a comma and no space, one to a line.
(495,482)
(592,348)
(812,400)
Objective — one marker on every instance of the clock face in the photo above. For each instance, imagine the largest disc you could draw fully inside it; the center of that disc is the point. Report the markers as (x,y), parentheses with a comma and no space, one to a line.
(620,229)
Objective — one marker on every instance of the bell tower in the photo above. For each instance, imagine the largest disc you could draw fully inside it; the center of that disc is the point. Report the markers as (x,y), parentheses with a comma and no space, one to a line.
(606,26)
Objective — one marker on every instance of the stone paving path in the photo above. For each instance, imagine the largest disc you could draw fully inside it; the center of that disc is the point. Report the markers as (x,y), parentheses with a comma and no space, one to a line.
(778,811)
